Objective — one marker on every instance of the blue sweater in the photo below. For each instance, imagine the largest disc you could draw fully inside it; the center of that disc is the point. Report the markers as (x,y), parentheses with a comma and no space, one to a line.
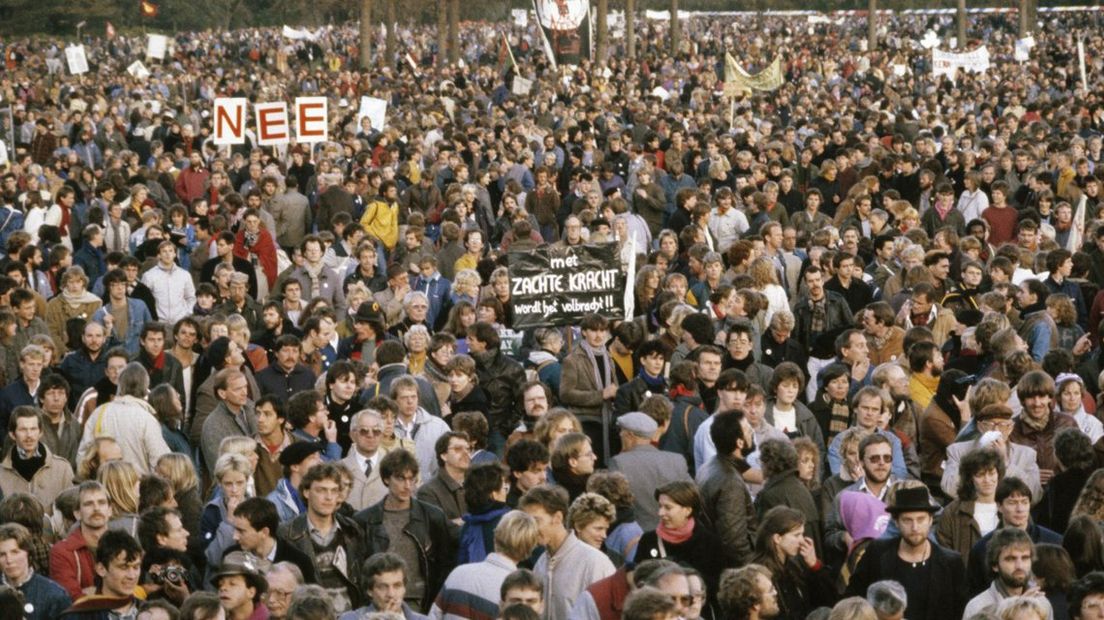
(48,599)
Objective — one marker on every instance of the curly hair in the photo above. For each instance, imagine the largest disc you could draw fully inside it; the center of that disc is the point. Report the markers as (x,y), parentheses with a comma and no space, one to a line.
(1091,501)
(612,485)
(974,463)
(588,508)
(777,457)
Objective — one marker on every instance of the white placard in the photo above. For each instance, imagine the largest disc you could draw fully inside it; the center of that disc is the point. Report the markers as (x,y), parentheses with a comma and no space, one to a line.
(521,17)
(1022,50)
(522,86)
(78,62)
(661,92)
(138,70)
(948,63)
(229,120)
(273,126)
(374,109)
(312,119)
(156,46)
(930,40)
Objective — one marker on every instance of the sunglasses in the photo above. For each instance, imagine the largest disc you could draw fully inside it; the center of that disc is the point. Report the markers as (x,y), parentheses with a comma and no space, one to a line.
(880,458)
(369,432)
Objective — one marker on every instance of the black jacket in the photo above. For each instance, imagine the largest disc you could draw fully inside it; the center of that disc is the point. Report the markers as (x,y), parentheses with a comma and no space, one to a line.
(296,534)
(429,531)
(172,371)
(286,553)
(837,317)
(500,377)
(945,595)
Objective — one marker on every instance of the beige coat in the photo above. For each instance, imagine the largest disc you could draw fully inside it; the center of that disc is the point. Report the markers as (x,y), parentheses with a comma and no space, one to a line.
(366,491)
(55,476)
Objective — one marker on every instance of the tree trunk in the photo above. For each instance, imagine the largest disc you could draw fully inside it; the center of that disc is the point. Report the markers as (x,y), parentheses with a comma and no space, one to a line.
(961,18)
(454,31)
(676,28)
(603,30)
(630,27)
(442,33)
(365,33)
(392,34)
(872,26)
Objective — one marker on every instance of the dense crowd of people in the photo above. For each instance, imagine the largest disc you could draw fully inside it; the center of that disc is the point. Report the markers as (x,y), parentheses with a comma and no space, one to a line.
(862,378)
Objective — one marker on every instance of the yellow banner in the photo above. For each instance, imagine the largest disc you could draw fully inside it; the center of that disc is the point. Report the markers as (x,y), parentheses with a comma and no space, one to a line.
(738,81)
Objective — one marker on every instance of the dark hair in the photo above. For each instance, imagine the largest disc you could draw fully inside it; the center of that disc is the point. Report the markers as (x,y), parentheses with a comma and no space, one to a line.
(1002,539)
(976,462)
(475,425)
(777,457)
(152,523)
(700,328)
(726,430)
(397,462)
(1082,540)
(1089,584)
(1073,449)
(920,353)
(481,482)
(682,492)
(153,490)
(340,369)
(379,563)
(390,352)
(870,440)
(115,542)
(1053,564)
(787,371)
(521,579)
(260,513)
(1011,485)
(301,407)
(485,333)
(441,446)
(551,499)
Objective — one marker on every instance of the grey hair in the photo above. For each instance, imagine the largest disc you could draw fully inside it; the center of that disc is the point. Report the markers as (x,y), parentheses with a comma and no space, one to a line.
(887,597)
(364,413)
(134,381)
(412,296)
(290,569)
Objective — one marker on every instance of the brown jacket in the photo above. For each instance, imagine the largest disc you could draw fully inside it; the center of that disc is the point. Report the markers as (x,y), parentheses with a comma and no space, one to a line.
(937,431)
(49,481)
(891,350)
(957,528)
(578,390)
(1042,440)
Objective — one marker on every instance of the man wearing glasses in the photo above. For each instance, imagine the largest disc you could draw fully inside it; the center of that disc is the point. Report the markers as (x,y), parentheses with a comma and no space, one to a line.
(364,459)
(876,456)
(995,426)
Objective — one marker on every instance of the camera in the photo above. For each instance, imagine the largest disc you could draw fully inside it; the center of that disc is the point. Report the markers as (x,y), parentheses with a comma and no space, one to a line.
(175,575)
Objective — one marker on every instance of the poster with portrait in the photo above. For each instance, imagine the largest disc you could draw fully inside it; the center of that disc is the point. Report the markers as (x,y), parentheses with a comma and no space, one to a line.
(566,29)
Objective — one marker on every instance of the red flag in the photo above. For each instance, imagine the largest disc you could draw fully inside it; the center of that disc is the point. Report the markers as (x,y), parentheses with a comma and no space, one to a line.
(148,9)
(110,31)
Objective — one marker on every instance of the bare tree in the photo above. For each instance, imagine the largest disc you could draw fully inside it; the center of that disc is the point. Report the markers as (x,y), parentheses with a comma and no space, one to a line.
(961,18)
(676,28)
(603,30)
(442,33)
(630,27)
(392,35)
(365,33)
(454,31)
(872,25)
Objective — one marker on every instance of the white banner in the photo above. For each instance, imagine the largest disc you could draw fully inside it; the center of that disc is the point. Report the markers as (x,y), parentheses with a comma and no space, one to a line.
(298,34)
(948,63)
(78,62)
(522,86)
(156,46)
(374,109)
(138,70)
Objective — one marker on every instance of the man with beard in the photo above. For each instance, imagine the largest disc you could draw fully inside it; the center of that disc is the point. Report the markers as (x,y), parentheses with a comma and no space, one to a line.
(71,559)
(926,365)
(286,375)
(1009,555)
(747,593)
(876,458)
(933,576)
(905,418)
(85,366)
(275,324)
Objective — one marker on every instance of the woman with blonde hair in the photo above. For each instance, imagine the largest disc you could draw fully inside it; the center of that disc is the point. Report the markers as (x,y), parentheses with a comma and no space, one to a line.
(104,449)
(1024,608)
(121,481)
(179,470)
(590,517)
(74,301)
(244,446)
(1091,501)
(232,471)
(1060,307)
(466,286)
(555,424)
(765,280)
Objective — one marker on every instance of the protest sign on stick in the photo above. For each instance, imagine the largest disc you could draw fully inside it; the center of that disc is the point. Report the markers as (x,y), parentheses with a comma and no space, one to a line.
(555,286)
(78,62)
(229,121)
(156,46)
(375,110)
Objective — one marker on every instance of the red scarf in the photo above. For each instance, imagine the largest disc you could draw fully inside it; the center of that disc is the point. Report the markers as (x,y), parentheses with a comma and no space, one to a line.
(264,248)
(159,361)
(676,536)
(681,390)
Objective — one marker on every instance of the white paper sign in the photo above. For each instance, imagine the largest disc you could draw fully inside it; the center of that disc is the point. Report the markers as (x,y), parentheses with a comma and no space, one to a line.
(78,62)
(230,120)
(374,109)
(948,63)
(1022,50)
(138,70)
(522,86)
(521,17)
(312,119)
(899,70)
(272,123)
(930,40)
(661,92)
(156,46)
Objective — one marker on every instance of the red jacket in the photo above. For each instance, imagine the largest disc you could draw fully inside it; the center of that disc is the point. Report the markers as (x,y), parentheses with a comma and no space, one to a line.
(72,564)
(609,594)
(191,184)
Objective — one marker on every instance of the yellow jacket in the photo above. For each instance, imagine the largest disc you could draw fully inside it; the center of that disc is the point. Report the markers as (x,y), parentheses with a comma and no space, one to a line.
(381,220)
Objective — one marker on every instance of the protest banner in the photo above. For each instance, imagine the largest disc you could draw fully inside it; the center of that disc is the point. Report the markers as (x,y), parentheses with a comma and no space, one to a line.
(272,123)
(948,63)
(738,80)
(229,121)
(78,62)
(375,110)
(156,46)
(521,85)
(556,286)
(312,119)
(565,26)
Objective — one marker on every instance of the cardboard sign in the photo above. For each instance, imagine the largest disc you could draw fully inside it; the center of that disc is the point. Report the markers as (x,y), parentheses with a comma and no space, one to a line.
(78,62)
(311,119)
(138,70)
(375,110)
(229,120)
(156,46)
(520,16)
(555,286)
(273,126)
(522,86)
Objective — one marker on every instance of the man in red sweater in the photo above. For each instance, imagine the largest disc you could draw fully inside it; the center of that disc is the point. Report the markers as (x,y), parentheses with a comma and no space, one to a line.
(191,183)
(72,563)
(1001,217)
